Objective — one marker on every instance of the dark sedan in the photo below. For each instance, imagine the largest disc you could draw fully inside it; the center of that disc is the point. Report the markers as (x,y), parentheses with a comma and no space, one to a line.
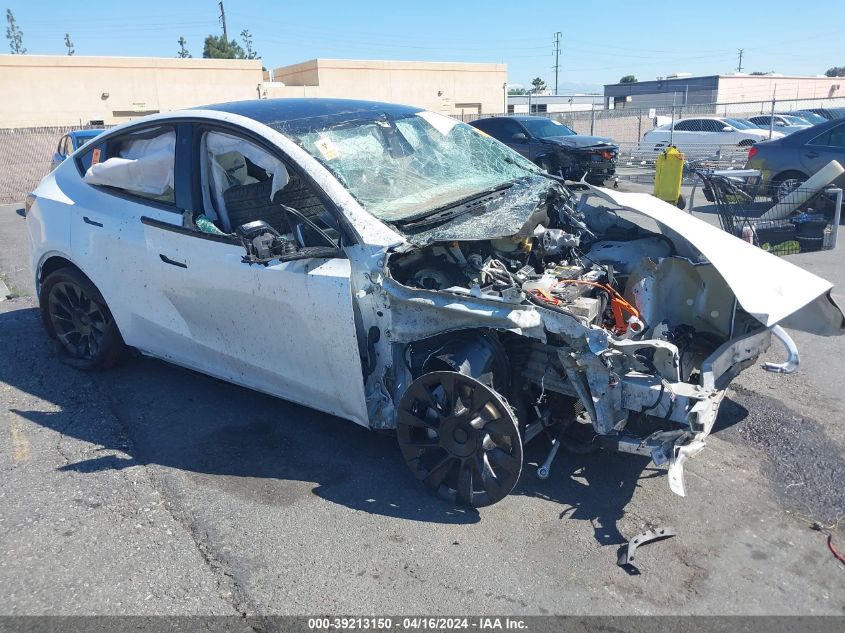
(788,161)
(554,147)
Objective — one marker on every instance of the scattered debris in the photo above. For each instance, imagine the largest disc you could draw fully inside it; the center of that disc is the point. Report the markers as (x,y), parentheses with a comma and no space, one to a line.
(626,552)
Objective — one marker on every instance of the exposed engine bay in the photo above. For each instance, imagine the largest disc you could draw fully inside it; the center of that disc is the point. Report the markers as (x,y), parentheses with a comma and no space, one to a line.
(561,263)
(637,337)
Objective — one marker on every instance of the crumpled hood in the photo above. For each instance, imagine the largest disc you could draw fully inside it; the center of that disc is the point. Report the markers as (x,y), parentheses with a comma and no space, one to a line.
(581,141)
(771,289)
(504,217)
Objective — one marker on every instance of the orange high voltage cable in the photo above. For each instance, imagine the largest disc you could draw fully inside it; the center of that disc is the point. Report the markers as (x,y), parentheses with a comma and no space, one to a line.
(618,303)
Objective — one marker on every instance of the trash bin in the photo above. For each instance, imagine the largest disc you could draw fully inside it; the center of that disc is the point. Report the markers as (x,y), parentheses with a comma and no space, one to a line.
(669,171)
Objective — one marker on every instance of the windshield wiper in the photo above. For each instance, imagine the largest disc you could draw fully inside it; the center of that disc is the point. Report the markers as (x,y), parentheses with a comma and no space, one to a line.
(454,209)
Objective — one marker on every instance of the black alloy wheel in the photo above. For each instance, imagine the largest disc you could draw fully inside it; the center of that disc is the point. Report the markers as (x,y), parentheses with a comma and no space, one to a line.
(76,317)
(460,438)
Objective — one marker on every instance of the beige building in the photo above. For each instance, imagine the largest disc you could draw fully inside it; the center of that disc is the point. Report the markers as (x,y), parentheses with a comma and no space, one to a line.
(51,90)
(447,87)
(40,90)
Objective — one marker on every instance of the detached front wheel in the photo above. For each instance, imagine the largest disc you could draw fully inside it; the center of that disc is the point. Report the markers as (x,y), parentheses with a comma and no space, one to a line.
(76,317)
(460,438)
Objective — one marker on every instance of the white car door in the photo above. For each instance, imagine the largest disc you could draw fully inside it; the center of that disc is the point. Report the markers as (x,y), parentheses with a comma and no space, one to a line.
(286,328)
(107,235)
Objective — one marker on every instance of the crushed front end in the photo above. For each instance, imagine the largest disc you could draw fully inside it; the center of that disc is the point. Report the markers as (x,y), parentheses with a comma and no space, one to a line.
(592,323)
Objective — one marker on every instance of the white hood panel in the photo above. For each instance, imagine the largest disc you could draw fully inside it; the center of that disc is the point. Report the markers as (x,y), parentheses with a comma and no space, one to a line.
(766,286)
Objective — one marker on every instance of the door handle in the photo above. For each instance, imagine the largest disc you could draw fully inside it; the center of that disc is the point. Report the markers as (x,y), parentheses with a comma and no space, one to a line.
(88,220)
(812,154)
(172,262)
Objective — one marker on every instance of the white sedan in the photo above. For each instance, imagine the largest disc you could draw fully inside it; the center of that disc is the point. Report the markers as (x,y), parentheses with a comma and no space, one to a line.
(402,270)
(703,136)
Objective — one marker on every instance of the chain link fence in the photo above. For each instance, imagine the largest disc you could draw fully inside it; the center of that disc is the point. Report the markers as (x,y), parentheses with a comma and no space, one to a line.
(26,153)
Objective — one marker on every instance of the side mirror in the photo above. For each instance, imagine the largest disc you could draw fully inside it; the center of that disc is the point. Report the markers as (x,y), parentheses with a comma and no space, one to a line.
(728,128)
(263,243)
(519,136)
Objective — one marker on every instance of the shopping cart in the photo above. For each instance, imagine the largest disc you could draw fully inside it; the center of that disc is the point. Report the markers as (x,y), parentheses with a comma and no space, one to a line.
(781,222)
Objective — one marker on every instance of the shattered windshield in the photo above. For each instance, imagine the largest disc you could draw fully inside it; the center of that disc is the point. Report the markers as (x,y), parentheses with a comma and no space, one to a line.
(546,128)
(401,167)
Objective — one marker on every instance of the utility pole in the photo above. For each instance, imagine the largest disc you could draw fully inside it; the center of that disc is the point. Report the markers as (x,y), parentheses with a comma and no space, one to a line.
(738,68)
(223,20)
(557,57)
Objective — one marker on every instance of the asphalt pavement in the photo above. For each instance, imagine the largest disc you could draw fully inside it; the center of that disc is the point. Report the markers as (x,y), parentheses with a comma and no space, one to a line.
(150,489)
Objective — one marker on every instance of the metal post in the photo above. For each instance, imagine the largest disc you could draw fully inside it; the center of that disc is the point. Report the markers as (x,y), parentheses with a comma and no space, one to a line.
(592,115)
(640,126)
(557,57)
(505,98)
(772,116)
(672,125)
(837,215)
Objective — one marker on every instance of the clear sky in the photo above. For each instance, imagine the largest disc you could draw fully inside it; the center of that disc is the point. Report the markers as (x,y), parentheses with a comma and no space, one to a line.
(601,41)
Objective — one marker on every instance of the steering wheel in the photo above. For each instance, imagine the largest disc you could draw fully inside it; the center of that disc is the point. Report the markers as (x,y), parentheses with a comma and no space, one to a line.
(297,227)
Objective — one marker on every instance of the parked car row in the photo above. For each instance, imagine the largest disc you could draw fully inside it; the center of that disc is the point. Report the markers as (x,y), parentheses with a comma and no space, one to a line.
(705,135)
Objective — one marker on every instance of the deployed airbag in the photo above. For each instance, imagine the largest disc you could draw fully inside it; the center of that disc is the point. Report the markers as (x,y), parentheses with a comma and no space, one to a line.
(144,165)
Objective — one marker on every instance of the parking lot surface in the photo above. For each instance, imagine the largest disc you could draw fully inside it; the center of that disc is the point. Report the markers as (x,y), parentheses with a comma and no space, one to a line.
(150,489)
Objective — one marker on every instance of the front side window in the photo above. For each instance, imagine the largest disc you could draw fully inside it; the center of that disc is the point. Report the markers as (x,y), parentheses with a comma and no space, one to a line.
(509,128)
(140,163)
(242,182)
(400,166)
(546,128)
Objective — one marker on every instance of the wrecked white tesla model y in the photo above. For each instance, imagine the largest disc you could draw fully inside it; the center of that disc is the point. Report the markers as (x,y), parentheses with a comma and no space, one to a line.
(402,270)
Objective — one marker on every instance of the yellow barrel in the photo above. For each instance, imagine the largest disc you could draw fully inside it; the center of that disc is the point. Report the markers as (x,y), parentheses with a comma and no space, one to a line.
(668,174)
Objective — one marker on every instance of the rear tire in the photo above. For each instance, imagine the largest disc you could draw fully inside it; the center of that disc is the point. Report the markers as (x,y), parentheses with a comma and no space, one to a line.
(747,142)
(78,320)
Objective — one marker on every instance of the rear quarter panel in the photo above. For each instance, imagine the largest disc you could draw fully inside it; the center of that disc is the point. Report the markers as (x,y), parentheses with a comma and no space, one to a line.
(49,220)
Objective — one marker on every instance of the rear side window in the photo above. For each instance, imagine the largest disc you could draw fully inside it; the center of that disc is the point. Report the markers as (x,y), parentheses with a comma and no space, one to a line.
(834,137)
(140,163)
